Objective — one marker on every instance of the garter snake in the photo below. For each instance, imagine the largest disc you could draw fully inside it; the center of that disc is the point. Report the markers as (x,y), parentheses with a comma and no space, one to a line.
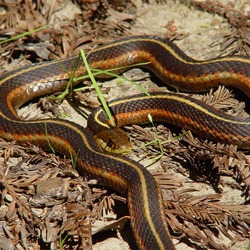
(129,178)
(180,110)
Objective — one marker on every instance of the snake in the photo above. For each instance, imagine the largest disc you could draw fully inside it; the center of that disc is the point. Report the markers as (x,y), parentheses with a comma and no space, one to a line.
(129,178)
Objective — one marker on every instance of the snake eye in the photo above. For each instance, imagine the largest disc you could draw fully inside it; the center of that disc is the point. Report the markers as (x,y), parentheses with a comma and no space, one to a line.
(110,143)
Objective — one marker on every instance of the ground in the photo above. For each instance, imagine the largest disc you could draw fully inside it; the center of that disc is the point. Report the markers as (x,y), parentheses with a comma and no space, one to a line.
(205,185)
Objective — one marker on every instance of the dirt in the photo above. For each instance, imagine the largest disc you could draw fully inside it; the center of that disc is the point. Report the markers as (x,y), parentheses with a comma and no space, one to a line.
(204,33)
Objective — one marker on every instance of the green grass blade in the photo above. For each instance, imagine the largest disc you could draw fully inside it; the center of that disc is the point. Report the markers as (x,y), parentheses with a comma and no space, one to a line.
(22,35)
(96,72)
(97,89)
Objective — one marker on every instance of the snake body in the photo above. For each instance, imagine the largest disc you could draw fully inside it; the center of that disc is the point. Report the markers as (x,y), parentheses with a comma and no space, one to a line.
(129,178)
(182,111)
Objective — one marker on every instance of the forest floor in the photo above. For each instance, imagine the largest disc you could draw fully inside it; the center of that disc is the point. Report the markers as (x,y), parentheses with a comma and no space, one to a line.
(45,204)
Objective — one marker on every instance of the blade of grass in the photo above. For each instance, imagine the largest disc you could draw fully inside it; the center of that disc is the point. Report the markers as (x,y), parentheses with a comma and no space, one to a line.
(47,137)
(125,79)
(67,90)
(22,35)
(109,72)
(97,89)
(62,239)
(159,141)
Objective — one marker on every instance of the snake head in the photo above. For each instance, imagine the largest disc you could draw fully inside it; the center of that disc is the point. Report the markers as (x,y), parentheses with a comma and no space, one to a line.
(114,140)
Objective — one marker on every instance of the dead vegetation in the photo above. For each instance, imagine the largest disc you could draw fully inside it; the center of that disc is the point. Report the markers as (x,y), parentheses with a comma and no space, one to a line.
(46,204)
(239,39)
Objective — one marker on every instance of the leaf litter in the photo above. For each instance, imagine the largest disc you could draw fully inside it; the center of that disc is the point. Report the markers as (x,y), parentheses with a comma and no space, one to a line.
(60,214)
